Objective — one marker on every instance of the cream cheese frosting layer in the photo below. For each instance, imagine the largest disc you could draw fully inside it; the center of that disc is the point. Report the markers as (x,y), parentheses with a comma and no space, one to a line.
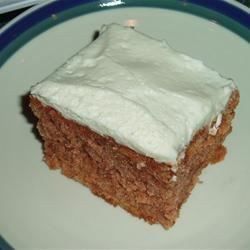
(137,90)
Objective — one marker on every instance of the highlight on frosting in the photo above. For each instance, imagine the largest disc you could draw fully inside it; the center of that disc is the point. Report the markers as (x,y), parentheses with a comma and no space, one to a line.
(138,90)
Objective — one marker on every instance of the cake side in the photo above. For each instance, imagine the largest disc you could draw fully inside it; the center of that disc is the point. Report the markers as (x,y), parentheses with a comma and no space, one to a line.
(144,187)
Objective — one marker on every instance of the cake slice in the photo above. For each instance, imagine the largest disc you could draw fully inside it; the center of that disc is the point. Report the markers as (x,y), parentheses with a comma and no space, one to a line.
(135,121)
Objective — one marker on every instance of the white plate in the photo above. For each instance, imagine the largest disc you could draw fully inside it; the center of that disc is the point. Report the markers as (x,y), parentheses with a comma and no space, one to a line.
(42,209)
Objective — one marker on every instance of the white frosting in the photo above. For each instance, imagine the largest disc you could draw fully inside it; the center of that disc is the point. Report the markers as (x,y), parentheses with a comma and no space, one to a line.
(137,90)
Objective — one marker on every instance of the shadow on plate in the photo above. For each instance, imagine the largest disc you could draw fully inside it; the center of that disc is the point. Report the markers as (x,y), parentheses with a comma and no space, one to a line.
(95,35)
(28,114)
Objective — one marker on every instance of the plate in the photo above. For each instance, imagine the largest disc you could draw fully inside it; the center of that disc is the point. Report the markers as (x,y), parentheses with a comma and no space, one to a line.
(41,208)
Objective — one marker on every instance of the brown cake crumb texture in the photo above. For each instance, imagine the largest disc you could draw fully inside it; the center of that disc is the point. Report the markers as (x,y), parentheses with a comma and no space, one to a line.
(145,188)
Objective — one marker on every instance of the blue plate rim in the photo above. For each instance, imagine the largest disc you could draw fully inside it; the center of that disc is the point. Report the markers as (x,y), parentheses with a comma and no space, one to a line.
(41,12)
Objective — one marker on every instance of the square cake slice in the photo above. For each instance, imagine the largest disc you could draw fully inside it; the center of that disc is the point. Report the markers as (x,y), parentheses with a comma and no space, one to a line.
(135,121)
